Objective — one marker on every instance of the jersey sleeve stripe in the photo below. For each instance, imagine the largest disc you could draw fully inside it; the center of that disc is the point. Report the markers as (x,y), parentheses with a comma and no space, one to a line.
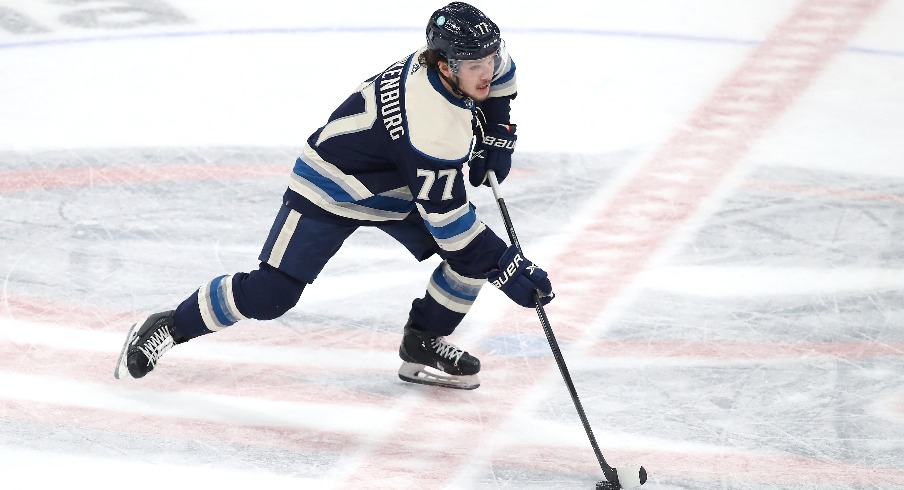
(462,240)
(506,84)
(453,230)
(443,219)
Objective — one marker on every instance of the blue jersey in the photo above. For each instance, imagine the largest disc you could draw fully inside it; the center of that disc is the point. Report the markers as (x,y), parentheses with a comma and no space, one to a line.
(397,146)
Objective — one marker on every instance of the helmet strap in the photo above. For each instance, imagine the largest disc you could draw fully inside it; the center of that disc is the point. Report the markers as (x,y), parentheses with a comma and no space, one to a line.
(453,82)
(456,89)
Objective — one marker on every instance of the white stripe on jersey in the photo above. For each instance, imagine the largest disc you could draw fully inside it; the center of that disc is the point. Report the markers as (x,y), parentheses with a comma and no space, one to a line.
(282,240)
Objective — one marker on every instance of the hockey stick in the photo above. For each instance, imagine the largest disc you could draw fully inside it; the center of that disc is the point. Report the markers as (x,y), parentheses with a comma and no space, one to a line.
(631,476)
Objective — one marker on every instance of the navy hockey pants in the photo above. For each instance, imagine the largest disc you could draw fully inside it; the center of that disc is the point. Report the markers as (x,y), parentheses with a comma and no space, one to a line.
(295,252)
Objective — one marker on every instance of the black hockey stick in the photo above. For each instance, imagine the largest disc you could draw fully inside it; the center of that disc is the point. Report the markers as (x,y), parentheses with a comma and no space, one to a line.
(631,476)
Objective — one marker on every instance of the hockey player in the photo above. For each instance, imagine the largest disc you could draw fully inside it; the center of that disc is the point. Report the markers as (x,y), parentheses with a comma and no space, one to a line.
(390,156)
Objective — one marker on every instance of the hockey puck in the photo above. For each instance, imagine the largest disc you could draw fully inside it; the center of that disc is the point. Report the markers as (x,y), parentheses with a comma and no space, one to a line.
(627,477)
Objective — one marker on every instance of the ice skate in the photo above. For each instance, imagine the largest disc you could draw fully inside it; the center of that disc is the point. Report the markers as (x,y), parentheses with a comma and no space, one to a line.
(145,344)
(431,360)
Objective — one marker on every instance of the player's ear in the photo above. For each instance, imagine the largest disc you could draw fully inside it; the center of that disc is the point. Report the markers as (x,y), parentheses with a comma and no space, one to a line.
(444,68)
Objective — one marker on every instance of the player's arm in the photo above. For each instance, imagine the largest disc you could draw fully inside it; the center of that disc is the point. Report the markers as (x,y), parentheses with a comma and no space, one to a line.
(441,199)
(468,244)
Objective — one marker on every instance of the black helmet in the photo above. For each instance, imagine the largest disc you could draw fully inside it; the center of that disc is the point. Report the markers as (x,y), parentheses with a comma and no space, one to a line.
(459,31)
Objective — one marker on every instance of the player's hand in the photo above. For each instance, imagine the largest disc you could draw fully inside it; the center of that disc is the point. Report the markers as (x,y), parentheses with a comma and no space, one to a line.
(519,279)
(493,152)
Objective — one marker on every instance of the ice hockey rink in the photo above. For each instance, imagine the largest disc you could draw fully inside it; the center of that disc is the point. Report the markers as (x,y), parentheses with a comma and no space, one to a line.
(716,188)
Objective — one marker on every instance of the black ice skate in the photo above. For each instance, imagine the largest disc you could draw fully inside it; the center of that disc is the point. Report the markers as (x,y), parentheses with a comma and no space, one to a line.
(431,360)
(145,344)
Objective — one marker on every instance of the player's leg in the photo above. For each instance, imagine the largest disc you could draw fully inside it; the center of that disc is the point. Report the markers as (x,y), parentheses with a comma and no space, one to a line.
(263,294)
(295,252)
(451,290)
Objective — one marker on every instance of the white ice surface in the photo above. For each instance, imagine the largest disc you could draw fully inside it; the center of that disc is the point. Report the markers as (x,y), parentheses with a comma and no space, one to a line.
(756,344)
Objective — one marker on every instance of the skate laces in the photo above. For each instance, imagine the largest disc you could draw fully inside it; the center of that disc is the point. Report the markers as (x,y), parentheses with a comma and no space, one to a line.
(447,349)
(158,343)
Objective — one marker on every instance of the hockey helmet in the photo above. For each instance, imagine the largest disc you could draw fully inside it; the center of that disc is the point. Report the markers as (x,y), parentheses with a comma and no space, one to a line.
(461,32)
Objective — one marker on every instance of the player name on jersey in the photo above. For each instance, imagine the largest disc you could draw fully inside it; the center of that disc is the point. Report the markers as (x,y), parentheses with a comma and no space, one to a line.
(389,98)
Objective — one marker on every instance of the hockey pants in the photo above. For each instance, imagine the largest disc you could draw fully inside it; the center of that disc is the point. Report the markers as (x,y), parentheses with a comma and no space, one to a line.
(295,252)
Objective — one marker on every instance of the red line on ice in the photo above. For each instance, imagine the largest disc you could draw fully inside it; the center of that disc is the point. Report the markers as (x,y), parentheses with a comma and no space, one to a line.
(810,190)
(104,175)
(55,178)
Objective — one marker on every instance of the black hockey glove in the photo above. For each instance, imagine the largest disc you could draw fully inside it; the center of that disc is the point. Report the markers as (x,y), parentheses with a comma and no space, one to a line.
(518,278)
(493,151)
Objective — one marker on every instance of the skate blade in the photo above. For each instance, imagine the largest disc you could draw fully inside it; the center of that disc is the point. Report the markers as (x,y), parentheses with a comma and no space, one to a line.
(121,367)
(421,374)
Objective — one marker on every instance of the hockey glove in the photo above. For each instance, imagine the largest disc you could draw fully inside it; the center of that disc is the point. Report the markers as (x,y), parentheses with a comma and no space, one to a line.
(519,278)
(494,152)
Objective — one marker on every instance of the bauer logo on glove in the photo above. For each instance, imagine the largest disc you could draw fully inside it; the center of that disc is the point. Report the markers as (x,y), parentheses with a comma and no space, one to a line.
(510,270)
(519,278)
(501,141)
(493,151)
